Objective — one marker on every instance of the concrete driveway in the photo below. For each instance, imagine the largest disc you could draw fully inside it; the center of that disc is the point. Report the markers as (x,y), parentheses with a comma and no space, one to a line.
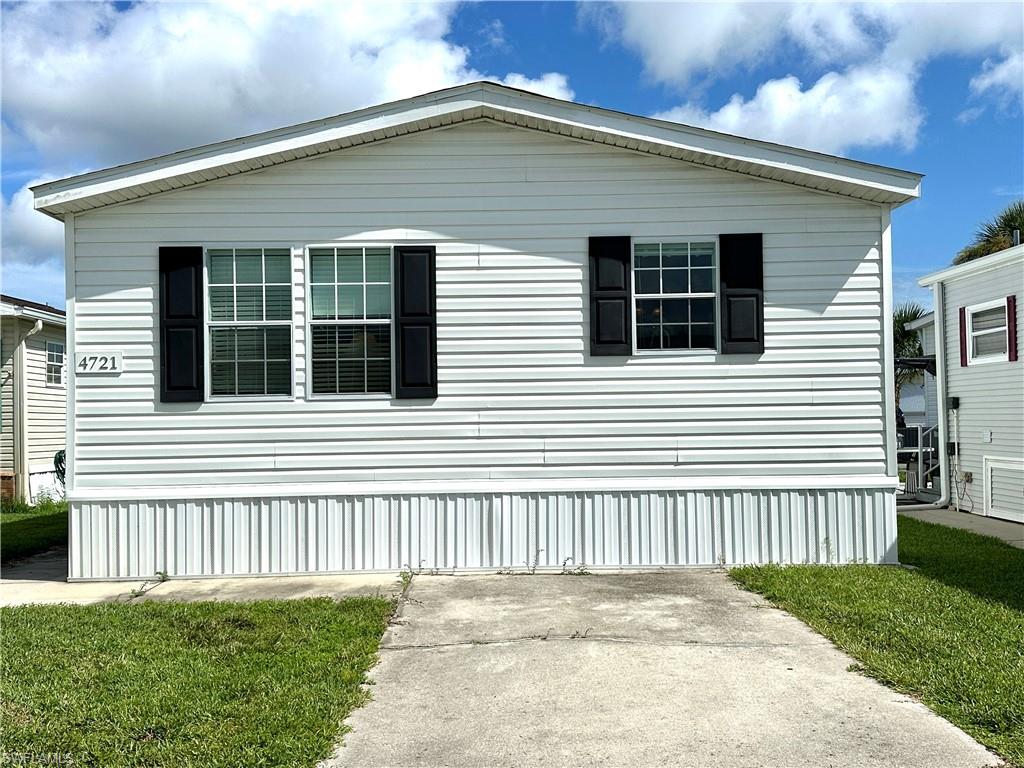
(656,669)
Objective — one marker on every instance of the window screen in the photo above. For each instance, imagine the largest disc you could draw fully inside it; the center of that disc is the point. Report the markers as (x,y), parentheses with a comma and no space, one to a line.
(350,310)
(250,321)
(674,291)
(988,332)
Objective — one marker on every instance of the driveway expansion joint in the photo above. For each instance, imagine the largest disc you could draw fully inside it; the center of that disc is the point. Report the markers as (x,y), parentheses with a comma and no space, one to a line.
(617,639)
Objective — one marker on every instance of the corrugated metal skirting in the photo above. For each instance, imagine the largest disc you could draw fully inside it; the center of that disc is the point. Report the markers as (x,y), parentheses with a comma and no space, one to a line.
(461,532)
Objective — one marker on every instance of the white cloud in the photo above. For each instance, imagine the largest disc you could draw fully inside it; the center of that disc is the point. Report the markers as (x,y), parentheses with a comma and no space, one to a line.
(551,84)
(84,84)
(881,101)
(1004,78)
(686,43)
(86,81)
(27,235)
(493,34)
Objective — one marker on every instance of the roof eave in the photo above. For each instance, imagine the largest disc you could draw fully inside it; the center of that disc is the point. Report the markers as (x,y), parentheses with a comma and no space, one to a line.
(977,266)
(802,167)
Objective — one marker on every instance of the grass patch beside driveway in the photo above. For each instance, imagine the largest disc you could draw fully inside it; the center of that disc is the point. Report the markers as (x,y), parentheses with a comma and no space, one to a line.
(27,529)
(186,684)
(950,633)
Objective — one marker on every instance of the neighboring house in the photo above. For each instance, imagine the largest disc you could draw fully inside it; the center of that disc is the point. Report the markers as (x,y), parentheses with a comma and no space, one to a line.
(33,397)
(479,328)
(975,332)
(912,402)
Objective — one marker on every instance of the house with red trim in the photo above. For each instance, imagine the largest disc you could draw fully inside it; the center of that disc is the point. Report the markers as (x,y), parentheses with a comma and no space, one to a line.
(976,399)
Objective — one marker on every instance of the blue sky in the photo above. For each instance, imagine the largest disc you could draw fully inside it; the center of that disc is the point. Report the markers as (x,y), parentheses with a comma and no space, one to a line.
(934,88)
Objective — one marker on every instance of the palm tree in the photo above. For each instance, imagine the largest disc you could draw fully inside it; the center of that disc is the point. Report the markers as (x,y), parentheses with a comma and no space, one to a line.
(995,234)
(906,343)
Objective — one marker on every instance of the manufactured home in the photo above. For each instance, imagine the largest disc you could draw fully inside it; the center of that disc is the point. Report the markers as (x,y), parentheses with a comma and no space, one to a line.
(33,393)
(477,329)
(976,398)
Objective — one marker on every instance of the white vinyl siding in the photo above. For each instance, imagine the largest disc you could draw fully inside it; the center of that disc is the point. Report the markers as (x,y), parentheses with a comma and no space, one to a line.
(510,211)
(47,402)
(991,413)
(8,340)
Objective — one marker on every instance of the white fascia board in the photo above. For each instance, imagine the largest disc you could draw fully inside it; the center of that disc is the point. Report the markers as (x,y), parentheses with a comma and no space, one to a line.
(787,164)
(746,152)
(538,485)
(173,166)
(976,267)
(8,310)
(921,322)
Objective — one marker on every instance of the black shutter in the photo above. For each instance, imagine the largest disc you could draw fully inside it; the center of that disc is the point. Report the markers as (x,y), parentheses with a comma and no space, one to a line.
(415,322)
(610,296)
(181,324)
(742,286)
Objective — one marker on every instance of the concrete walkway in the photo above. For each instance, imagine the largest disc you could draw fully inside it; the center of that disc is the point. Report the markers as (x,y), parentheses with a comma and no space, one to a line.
(660,669)
(1011,533)
(43,579)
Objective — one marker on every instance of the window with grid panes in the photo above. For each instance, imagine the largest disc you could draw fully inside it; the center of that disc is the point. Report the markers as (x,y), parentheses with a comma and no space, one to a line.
(350,320)
(674,292)
(54,363)
(250,321)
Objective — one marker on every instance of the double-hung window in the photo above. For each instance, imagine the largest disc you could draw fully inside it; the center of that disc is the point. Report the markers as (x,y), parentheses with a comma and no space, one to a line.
(350,320)
(675,295)
(250,321)
(54,363)
(986,332)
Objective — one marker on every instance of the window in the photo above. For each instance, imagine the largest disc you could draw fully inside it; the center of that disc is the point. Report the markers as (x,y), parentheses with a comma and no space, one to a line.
(250,317)
(350,320)
(674,291)
(986,332)
(54,363)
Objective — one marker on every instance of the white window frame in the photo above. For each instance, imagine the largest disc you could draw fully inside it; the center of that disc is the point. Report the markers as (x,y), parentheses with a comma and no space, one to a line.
(208,324)
(62,365)
(310,321)
(999,357)
(704,295)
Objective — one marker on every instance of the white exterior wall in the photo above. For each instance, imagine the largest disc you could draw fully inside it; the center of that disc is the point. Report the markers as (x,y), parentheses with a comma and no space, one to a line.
(45,404)
(991,395)
(931,385)
(520,400)
(8,340)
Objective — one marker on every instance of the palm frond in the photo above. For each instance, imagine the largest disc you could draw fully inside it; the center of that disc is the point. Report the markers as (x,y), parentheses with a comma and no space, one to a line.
(994,235)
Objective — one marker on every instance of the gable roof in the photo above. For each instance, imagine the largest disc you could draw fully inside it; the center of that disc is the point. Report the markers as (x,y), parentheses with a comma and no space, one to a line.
(476,101)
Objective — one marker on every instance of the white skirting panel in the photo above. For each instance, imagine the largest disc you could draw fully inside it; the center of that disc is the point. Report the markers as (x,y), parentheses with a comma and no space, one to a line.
(602,529)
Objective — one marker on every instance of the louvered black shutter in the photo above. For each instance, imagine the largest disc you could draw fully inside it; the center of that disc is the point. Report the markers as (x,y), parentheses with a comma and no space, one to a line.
(610,291)
(415,322)
(742,287)
(181,324)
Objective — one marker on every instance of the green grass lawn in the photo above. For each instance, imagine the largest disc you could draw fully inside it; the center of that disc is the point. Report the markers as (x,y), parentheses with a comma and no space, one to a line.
(950,633)
(185,684)
(26,529)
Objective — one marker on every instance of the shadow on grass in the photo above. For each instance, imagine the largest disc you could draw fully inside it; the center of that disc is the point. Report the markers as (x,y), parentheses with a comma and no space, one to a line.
(24,536)
(986,567)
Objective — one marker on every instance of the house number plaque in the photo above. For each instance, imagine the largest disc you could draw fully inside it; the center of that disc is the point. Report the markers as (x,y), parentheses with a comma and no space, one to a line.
(98,363)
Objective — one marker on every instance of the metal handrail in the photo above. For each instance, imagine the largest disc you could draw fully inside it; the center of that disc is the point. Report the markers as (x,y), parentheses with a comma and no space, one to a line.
(924,443)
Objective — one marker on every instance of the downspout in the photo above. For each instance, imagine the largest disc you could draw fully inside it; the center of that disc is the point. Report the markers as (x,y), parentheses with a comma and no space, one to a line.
(939,313)
(21,472)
